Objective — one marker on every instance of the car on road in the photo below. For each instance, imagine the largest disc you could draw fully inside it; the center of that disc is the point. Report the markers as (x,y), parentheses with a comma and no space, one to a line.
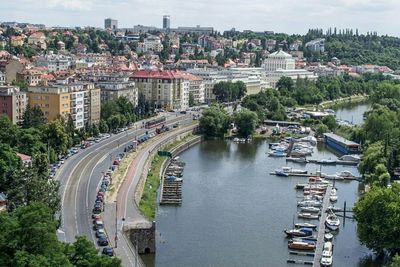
(98,225)
(102,241)
(108,251)
(100,233)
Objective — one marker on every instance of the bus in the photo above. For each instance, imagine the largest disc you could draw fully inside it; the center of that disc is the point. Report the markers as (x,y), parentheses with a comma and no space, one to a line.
(155,122)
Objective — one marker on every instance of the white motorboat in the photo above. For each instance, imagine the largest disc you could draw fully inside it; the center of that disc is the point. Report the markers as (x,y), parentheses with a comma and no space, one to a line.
(332,222)
(355,158)
(309,203)
(306,215)
(333,195)
(310,209)
(346,175)
(305,225)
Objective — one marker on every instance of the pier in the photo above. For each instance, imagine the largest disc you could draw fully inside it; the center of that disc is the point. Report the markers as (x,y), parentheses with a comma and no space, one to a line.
(321,229)
(309,175)
(172,192)
(335,162)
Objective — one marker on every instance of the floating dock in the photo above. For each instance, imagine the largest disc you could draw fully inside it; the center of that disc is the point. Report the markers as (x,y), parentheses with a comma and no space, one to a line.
(321,229)
(309,175)
(172,192)
(336,162)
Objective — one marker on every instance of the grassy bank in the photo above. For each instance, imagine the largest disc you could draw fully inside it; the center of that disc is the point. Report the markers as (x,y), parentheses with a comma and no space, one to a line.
(148,202)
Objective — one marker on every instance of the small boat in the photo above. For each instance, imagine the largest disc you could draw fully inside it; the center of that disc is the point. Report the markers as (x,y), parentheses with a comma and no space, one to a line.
(301,160)
(236,140)
(333,195)
(309,203)
(333,177)
(326,259)
(305,225)
(313,192)
(301,186)
(281,173)
(309,239)
(310,209)
(326,161)
(318,180)
(346,175)
(302,232)
(276,154)
(334,209)
(328,237)
(301,246)
(286,171)
(308,216)
(332,222)
(355,158)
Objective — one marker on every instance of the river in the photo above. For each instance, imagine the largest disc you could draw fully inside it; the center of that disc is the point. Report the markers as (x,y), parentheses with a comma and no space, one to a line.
(234,212)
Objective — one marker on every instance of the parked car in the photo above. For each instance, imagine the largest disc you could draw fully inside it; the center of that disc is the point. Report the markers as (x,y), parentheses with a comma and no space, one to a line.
(103,241)
(98,225)
(96,217)
(100,233)
(108,251)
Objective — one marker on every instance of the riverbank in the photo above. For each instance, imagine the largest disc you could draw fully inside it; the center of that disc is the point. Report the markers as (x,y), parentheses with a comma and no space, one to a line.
(343,101)
(148,201)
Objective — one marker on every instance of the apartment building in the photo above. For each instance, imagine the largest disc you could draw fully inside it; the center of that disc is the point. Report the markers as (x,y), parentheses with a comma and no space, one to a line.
(80,100)
(13,103)
(163,89)
(196,86)
(32,77)
(54,62)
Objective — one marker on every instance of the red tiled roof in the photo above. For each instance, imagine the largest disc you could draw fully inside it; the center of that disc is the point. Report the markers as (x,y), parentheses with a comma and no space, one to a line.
(24,157)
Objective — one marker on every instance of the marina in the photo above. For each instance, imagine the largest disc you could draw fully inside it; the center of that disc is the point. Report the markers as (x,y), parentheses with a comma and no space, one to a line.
(228,189)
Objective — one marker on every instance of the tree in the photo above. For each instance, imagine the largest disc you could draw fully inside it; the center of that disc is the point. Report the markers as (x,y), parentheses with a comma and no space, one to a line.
(8,133)
(9,162)
(246,122)
(214,122)
(330,122)
(285,85)
(377,214)
(191,99)
(103,127)
(321,129)
(83,253)
(33,117)
(395,262)
(373,156)
(379,122)
(55,134)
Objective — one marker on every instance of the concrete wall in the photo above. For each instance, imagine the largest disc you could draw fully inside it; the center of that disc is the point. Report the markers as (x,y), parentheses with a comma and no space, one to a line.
(143,238)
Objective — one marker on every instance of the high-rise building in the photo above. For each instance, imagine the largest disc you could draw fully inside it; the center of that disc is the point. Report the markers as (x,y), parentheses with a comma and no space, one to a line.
(111,24)
(166,22)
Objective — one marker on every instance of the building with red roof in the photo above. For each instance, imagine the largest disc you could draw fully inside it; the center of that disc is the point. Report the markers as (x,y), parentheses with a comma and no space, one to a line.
(166,89)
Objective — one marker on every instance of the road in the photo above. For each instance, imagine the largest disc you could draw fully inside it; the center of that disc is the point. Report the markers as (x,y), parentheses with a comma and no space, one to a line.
(81,175)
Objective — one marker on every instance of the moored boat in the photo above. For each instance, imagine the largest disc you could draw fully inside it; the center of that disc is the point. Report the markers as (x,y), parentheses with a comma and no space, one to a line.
(333,195)
(310,216)
(301,246)
(274,153)
(332,222)
(305,225)
(310,209)
(309,203)
(326,161)
(302,232)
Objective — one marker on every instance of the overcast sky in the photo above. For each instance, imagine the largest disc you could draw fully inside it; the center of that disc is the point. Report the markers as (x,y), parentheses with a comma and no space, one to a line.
(290,16)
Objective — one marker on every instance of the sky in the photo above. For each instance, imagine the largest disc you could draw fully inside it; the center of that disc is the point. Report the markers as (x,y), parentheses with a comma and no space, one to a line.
(289,16)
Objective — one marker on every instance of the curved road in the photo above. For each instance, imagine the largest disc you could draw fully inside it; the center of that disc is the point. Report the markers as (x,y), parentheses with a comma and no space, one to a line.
(81,175)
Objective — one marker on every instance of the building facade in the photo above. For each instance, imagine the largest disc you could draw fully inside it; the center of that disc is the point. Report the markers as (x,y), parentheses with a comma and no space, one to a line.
(279,60)
(163,89)
(166,22)
(110,24)
(80,100)
(13,103)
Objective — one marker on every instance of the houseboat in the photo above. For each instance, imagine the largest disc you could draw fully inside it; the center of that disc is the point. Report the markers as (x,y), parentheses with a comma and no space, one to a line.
(341,144)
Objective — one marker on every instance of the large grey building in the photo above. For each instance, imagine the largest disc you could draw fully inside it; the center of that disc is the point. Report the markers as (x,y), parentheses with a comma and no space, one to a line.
(111,24)
(166,22)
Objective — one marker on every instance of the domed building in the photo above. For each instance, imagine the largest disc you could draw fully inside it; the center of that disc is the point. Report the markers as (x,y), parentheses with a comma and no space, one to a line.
(279,60)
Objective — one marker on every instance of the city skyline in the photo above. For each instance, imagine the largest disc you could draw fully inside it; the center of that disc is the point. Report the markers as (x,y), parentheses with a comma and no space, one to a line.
(259,16)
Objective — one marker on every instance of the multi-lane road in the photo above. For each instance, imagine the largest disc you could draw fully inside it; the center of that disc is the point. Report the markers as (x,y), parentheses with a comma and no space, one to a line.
(81,175)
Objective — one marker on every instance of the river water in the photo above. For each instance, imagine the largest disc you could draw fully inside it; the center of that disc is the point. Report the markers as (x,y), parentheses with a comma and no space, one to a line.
(234,212)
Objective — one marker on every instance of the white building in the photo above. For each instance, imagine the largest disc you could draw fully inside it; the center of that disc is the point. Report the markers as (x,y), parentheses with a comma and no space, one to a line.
(317,45)
(54,62)
(279,60)
(196,87)
(151,43)
(294,74)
